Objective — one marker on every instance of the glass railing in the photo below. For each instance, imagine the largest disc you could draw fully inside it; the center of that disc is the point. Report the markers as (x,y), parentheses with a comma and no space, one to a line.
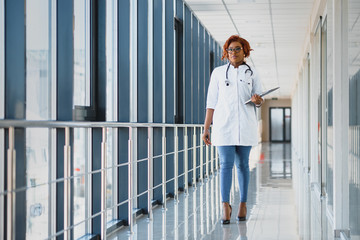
(197,162)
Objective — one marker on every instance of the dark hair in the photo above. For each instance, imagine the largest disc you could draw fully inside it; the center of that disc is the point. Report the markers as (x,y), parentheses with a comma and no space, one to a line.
(235,38)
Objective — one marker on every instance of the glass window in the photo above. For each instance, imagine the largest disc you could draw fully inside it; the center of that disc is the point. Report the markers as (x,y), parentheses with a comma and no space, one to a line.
(309,106)
(39,106)
(82,52)
(354,116)
(111,105)
(316,85)
(327,76)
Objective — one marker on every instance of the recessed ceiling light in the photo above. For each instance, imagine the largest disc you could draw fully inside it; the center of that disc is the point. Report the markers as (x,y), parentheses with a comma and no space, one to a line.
(245,1)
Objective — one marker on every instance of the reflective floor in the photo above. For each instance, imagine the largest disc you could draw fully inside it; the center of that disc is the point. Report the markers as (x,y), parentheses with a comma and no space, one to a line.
(271,206)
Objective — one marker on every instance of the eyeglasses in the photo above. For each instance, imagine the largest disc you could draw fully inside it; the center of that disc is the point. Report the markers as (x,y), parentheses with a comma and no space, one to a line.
(231,50)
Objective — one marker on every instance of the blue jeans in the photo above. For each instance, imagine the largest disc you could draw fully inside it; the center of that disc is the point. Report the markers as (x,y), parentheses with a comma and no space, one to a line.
(228,155)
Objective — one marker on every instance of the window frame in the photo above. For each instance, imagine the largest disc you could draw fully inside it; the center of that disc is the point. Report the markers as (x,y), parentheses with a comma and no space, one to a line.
(112,43)
(90,111)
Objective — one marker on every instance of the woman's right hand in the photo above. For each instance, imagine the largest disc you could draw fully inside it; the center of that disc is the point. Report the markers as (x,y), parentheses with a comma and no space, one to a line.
(206,137)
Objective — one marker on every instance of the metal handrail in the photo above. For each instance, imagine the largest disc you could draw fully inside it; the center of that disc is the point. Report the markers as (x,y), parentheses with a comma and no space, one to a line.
(131,163)
(6,123)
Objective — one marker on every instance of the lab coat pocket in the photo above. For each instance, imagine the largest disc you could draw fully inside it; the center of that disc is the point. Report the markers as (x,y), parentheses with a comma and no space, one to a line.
(247,84)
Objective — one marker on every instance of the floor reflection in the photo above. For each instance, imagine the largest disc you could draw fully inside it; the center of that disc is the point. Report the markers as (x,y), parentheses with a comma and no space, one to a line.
(271,213)
(239,234)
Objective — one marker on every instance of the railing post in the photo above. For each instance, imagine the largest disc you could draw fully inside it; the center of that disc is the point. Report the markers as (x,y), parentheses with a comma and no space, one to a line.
(201,157)
(176,159)
(212,159)
(207,161)
(164,167)
(216,159)
(194,159)
(67,174)
(150,172)
(11,180)
(130,183)
(103,183)
(186,162)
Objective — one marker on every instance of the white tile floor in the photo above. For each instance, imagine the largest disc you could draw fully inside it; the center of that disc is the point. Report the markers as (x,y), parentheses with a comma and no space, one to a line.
(271,208)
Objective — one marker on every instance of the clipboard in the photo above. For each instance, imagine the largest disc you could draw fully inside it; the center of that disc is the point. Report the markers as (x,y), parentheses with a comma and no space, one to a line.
(264,93)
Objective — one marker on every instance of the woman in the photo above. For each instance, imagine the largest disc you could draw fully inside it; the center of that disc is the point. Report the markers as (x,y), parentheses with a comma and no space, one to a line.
(234,129)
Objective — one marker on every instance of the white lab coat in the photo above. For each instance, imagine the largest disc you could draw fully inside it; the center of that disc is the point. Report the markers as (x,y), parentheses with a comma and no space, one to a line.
(234,123)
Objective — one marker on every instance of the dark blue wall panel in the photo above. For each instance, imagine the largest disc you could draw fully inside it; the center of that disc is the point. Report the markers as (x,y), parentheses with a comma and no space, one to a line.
(201,86)
(206,81)
(212,58)
(157,101)
(142,61)
(169,72)
(157,61)
(15,98)
(179,9)
(142,168)
(142,97)
(157,151)
(60,142)
(187,69)
(15,60)
(195,72)
(123,100)
(219,54)
(201,74)
(124,60)
(190,153)
(96,180)
(181,157)
(195,64)
(65,60)
(169,60)
(123,172)
(15,93)
(207,66)
(188,81)
(99,8)
(170,159)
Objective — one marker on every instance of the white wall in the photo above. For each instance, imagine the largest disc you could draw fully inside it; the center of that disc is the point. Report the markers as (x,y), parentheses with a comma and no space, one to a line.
(321,175)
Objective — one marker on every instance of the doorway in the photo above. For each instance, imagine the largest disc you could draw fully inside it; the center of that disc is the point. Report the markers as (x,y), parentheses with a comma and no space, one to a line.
(280,124)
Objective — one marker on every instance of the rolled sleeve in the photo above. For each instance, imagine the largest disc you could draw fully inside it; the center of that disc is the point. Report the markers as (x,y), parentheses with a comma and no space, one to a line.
(213,91)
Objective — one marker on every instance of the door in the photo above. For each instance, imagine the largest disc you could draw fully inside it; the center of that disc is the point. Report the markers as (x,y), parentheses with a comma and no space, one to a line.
(280,124)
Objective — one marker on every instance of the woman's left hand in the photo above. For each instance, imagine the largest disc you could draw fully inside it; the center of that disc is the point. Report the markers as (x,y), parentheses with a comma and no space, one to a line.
(256,99)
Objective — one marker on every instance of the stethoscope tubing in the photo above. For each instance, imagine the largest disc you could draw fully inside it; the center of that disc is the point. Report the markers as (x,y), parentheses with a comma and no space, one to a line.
(227,83)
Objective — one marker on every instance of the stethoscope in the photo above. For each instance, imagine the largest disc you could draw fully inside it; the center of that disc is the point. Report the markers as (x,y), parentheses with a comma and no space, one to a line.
(227,82)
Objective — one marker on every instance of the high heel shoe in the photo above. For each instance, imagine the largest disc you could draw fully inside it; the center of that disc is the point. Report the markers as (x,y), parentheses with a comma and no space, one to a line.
(243,216)
(227,221)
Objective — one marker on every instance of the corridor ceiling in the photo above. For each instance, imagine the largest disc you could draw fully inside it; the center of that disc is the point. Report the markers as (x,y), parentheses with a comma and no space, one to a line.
(275,29)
